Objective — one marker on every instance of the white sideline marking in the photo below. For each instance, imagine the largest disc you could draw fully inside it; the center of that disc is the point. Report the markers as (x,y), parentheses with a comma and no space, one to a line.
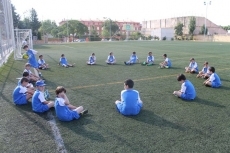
(57,136)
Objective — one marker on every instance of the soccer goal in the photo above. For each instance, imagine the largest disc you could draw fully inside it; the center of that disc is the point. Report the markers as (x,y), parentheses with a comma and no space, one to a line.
(22,37)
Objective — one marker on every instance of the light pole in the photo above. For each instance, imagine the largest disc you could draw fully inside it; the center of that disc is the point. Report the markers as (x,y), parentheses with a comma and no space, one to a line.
(205,26)
(109,27)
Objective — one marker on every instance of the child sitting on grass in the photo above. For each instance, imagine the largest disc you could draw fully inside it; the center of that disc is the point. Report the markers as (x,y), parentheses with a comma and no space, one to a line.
(214,80)
(130,102)
(92,59)
(41,63)
(166,63)
(205,72)
(39,103)
(132,60)
(64,110)
(32,77)
(111,59)
(21,93)
(193,67)
(150,60)
(187,91)
(63,62)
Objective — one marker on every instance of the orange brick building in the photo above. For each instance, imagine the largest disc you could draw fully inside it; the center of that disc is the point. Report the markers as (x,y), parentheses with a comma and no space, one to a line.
(97,24)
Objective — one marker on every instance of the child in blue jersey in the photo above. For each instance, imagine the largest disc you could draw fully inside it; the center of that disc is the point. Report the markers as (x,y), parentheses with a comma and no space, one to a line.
(63,62)
(111,59)
(213,80)
(187,91)
(64,110)
(92,59)
(29,85)
(130,103)
(132,60)
(41,63)
(39,103)
(150,60)
(193,67)
(32,58)
(21,94)
(166,63)
(205,74)
(32,77)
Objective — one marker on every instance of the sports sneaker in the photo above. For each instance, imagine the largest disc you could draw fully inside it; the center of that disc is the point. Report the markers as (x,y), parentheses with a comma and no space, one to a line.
(83,112)
(166,67)
(125,62)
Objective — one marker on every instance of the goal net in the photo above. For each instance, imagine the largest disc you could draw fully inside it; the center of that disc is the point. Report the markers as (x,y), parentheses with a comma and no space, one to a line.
(6,31)
(22,37)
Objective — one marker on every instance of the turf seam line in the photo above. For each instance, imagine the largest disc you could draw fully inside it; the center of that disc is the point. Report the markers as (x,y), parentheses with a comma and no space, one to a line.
(57,136)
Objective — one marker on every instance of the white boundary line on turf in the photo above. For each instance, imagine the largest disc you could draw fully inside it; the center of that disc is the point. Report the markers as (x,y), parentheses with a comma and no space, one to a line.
(57,136)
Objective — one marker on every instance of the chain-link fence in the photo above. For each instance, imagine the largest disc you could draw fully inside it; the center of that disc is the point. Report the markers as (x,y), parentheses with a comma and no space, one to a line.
(6,30)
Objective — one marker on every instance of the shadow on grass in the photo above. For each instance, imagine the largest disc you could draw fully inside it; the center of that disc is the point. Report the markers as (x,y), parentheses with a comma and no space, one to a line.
(207,102)
(224,88)
(225,80)
(77,126)
(149,117)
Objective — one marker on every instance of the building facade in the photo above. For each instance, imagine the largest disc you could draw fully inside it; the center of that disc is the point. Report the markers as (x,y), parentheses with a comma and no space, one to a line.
(149,26)
(98,25)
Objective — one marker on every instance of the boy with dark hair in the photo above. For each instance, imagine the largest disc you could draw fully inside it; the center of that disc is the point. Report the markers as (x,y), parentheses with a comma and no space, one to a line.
(64,110)
(193,67)
(32,58)
(213,80)
(130,102)
(166,63)
(187,91)
(132,60)
(39,103)
(32,77)
(41,63)
(20,94)
(92,59)
(205,71)
(111,59)
(63,62)
(150,60)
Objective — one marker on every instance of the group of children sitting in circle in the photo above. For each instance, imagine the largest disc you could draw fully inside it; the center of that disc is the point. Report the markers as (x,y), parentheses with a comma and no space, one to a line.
(130,102)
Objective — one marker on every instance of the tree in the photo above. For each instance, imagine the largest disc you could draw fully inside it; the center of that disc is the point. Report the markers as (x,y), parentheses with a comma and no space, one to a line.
(24,24)
(105,33)
(47,26)
(226,27)
(34,23)
(76,28)
(204,30)
(110,24)
(136,35)
(192,25)
(179,29)
(16,16)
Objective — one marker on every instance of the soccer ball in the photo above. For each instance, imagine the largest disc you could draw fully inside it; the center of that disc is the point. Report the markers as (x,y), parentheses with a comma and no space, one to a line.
(25,56)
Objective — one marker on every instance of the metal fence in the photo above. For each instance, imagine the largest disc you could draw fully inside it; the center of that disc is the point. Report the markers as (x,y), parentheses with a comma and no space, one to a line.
(6,31)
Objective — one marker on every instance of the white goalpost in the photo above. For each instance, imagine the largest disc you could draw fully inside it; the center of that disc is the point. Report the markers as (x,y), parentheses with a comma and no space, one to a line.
(22,37)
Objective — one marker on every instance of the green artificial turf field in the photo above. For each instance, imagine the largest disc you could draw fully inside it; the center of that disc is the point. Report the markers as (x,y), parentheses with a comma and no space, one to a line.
(166,123)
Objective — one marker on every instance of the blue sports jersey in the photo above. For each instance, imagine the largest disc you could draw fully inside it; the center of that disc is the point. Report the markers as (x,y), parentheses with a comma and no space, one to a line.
(111,58)
(92,59)
(130,102)
(37,102)
(215,79)
(63,60)
(63,112)
(19,96)
(194,65)
(41,62)
(133,58)
(32,59)
(190,92)
(150,59)
(169,63)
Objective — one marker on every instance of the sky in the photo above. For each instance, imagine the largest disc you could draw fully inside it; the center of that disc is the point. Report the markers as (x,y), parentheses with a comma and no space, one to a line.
(131,10)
